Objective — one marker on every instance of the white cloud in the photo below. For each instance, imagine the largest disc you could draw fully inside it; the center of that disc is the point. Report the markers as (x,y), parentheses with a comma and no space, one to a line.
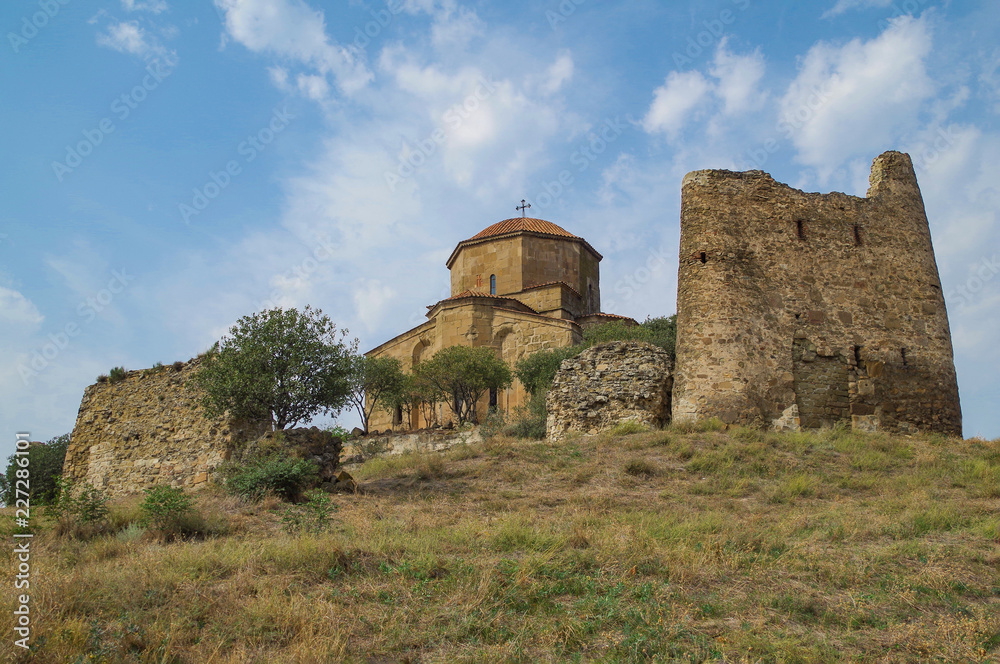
(675,101)
(292,30)
(739,77)
(371,301)
(846,5)
(151,6)
(128,37)
(558,73)
(455,29)
(15,309)
(848,100)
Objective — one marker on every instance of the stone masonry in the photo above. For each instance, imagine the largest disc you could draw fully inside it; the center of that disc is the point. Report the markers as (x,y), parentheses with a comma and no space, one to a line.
(802,310)
(149,429)
(610,383)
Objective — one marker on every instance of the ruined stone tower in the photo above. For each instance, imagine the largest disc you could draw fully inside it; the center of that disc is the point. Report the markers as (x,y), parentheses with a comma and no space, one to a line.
(801,309)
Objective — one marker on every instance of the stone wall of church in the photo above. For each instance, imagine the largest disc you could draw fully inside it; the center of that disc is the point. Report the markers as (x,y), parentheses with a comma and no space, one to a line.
(479,322)
(476,262)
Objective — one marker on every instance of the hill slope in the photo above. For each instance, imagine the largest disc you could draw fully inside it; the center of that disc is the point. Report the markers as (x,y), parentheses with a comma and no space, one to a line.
(691,546)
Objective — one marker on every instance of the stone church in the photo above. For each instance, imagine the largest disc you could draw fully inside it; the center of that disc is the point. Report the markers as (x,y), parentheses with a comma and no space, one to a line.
(518,286)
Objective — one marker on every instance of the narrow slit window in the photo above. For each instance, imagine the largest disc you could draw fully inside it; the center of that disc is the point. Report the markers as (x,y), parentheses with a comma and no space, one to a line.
(857,355)
(493,284)
(703,258)
(857,235)
(800,229)
(902,354)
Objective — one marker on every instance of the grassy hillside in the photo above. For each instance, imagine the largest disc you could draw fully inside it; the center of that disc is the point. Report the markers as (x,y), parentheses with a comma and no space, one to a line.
(688,546)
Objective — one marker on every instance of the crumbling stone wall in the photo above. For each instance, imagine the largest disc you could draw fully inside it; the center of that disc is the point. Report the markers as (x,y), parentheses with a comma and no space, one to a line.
(149,429)
(785,296)
(607,384)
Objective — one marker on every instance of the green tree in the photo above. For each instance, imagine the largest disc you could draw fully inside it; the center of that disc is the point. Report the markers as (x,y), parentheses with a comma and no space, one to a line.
(374,380)
(280,366)
(45,463)
(411,395)
(462,375)
(537,370)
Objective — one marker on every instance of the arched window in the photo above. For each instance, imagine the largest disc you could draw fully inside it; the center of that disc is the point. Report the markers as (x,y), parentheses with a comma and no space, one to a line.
(493,284)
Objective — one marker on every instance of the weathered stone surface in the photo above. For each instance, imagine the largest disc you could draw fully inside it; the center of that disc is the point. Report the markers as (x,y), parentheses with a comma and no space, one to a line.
(799,309)
(610,383)
(390,444)
(311,443)
(149,429)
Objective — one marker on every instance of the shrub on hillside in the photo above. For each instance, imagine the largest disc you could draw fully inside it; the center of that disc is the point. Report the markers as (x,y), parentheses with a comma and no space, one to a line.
(271,474)
(117,375)
(660,331)
(80,511)
(529,420)
(170,512)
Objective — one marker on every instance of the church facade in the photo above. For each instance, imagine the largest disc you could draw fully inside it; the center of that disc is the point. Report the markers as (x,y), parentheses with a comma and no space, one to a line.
(519,286)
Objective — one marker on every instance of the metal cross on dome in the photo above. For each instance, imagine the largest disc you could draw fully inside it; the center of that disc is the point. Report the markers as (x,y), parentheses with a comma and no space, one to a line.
(522,207)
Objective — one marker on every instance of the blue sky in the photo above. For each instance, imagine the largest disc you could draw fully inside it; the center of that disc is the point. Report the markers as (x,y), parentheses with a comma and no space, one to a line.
(175,164)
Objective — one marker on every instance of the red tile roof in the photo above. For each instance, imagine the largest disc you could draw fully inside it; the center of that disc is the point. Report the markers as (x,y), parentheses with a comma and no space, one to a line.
(520,225)
(472,293)
(523,224)
(551,283)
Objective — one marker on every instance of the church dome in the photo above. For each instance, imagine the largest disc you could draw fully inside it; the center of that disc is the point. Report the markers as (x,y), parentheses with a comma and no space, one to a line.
(521,224)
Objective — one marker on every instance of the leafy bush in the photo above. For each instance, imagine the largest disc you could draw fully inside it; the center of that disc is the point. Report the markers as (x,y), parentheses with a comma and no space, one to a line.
(536,371)
(311,516)
(103,378)
(271,474)
(169,511)
(117,375)
(661,331)
(80,512)
(494,425)
(529,421)
(44,467)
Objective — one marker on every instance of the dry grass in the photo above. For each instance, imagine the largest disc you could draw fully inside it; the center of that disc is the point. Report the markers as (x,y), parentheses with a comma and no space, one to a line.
(681,545)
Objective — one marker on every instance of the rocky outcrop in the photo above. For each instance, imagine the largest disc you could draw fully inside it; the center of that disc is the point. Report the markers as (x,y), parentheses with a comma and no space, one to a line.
(147,429)
(610,383)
